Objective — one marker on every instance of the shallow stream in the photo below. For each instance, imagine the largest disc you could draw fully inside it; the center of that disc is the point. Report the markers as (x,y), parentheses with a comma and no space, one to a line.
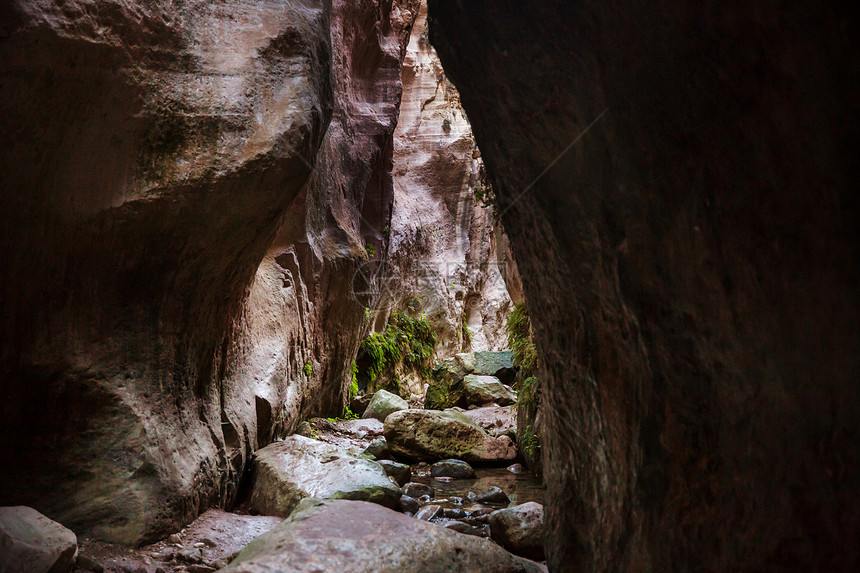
(521,488)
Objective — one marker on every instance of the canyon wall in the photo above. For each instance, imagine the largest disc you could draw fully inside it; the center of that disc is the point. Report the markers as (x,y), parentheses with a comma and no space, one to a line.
(182,191)
(442,238)
(678,181)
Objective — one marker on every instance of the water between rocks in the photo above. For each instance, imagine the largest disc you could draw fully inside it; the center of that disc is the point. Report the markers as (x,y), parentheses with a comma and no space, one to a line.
(521,488)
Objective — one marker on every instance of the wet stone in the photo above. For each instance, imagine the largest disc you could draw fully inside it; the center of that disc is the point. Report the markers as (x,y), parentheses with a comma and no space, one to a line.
(416,490)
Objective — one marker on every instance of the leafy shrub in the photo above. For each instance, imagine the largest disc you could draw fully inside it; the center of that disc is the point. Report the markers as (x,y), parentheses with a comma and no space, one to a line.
(407,341)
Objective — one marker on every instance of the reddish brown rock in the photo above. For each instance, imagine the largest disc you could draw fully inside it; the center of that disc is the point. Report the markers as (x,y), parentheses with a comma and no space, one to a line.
(181,190)
(690,265)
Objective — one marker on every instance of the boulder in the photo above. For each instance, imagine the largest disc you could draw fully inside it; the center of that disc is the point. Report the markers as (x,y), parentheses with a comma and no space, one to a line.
(498,364)
(354,536)
(299,467)
(384,403)
(482,390)
(452,468)
(495,420)
(446,384)
(464,528)
(401,473)
(519,529)
(32,543)
(433,435)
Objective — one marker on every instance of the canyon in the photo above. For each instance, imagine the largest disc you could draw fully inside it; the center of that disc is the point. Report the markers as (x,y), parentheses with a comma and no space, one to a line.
(208,207)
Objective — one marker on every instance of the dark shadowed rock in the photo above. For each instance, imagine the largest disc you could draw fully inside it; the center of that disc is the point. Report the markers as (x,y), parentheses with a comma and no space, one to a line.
(32,543)
(408,504)
(452,468)
(520,529)
(401,473)
(357,537)
(498,364)
(416,490)
(493,495)
(464,528)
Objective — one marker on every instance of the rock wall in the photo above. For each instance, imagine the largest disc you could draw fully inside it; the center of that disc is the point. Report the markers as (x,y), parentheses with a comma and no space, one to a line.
(443,242)
(678,182)
(182,188)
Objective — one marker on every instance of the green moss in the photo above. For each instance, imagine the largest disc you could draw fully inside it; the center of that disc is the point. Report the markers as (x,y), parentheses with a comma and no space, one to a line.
(522,344)
(407,341)
(530,443)
(309,368)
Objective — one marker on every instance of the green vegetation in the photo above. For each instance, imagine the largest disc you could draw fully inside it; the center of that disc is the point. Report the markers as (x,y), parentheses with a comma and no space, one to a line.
(347,415)
(521,341)
(407,341)
(371,250)
(353,386)
(309,368)
(519,330)
(466,331)
(530,443)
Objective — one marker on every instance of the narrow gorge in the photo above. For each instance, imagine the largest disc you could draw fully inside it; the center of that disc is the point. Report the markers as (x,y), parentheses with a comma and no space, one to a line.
(428,285)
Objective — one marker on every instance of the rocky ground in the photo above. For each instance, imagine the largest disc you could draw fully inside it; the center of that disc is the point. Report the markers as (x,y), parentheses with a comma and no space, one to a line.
(401,489)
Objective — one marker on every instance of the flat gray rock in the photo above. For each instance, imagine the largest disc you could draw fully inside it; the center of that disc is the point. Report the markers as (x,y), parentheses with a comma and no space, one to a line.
(299,467)
(354,536)
(480,390)
(384,403)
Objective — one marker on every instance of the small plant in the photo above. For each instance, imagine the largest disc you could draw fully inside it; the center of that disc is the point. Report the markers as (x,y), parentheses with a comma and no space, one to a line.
(530,442)
(467,332)
(309,368)
(353,386)
(347,415)
(414,304)
(368,315)
(371,250)
(386,230)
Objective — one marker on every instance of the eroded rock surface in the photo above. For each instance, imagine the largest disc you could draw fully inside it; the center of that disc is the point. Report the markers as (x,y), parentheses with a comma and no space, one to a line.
(182,192)
(342,535)
(678,182)
(384,403)
(442,240)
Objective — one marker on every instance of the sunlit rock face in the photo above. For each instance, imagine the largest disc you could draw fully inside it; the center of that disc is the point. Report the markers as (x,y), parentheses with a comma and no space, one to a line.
(443,241)
(690,266)
(154,154)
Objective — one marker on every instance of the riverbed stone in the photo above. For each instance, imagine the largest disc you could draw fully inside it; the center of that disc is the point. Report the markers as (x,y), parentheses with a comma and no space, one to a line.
(520,529)
(417,490)
(433,435)
(299,467)
(408,504)
(430,512)
(32,543)
(401,473)
(384,403)
(354,536)
(453,469)
(480,390)
(493,495)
